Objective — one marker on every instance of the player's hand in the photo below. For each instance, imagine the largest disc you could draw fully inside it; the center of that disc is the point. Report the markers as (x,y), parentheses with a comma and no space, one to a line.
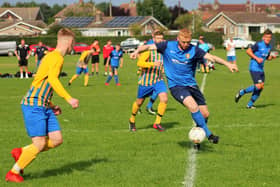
(134,55)
(121,65)
(259,60)
(232,67)
(18,58)
(56,110)
(74,103)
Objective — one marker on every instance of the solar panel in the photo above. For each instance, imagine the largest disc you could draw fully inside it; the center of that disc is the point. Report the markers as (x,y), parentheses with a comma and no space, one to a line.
(76,21)
(124,21)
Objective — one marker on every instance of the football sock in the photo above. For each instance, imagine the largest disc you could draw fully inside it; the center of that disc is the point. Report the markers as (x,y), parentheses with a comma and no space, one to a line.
(200,122)
(135,108)
(116,79)
(73,78)
(21,75)
(207,69)
(160,112)
(254,97)
(247,90)
(28,154)
(152,100)
(86,80)
(48,145)
(202,68)
(109,79)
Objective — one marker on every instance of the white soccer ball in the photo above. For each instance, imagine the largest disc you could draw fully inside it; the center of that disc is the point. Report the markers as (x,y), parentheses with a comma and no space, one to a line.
(197,135)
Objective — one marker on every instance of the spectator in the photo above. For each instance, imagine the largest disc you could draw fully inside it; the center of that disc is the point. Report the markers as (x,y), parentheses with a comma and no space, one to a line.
(95,57)
(40,53)
(22,53)
(107,49)
(230,47)
(205,47)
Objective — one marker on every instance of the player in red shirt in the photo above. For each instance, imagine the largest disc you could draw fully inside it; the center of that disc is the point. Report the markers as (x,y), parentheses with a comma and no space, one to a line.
(95,57)
(107,49)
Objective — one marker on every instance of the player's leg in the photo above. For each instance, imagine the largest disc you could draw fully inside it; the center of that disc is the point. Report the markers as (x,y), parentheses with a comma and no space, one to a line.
(116,77)
(161,89)
(149,106)
(78,73)
(92,64)
(135,107)
(109,78)
(26,69)
(97,65)
(85,70)
(21,69)
(256,94)
(105,67)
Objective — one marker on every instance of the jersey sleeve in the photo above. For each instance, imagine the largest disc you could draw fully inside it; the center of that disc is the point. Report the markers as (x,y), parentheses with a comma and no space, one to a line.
(161,46)
(121,54)
(255,47)
(53,74)
(199,53)
(142,60)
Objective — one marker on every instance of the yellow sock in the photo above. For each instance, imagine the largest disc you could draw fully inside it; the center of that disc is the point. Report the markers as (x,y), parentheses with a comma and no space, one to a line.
(207,69)
(73,78)
(135,108)
(49,145)
(202,68)
(160,111)
(28,154)
(86,80)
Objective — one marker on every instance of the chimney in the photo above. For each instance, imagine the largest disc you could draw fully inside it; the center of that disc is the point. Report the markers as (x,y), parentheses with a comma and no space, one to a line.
(81,1)
(98,17)
(110,9)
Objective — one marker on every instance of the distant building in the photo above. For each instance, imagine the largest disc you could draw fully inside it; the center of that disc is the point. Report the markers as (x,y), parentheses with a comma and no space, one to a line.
(21,21)
(129,8)
(208,10)
(111,26)
(242,24)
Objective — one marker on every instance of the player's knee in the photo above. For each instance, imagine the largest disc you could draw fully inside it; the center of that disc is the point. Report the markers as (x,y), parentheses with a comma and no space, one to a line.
(164,99)
(205,114)
(259,86)
(40,144)
(57,141)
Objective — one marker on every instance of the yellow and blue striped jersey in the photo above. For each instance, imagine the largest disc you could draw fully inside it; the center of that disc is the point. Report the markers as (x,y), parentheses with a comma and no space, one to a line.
(46,81)
(150,74)
(84,58)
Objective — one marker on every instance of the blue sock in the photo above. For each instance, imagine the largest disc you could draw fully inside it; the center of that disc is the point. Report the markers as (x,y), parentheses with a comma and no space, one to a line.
(116,79)
(152,100)
(254,97)
(109,79)
(200,122)
(247,90)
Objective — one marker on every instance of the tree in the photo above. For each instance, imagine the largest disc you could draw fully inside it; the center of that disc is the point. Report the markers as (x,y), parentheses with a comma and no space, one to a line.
(135,29)
(6,5)
(191,21)
(175,12)
(155,8)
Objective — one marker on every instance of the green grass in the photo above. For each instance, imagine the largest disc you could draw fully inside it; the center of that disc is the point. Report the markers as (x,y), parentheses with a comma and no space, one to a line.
(98,149)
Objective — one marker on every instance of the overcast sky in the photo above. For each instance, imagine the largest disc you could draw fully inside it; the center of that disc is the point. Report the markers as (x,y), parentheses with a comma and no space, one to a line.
(187,4)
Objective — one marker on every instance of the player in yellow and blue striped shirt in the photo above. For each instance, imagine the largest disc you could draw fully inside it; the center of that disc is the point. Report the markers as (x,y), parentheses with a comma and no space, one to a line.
(82,66)
(38,112)
(150,81)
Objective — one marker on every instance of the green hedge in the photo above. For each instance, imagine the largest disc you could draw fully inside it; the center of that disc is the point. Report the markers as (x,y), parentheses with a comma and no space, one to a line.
(213,38)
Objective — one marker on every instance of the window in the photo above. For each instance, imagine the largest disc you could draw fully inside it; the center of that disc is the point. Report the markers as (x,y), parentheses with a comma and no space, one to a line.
(231,29)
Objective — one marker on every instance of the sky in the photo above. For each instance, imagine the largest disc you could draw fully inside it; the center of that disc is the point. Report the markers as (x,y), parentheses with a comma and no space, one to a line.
(187,4)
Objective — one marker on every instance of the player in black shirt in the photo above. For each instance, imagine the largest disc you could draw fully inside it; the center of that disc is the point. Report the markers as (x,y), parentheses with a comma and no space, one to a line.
(40,53)
(23,53)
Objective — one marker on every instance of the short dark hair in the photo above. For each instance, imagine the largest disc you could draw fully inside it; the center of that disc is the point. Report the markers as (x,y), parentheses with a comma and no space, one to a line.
(267,32)
(157,32)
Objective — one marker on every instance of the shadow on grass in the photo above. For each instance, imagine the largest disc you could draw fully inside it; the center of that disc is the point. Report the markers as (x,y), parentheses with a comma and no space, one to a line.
(171,109)
(66,169)
(204,147)
(168,125)
(265,105)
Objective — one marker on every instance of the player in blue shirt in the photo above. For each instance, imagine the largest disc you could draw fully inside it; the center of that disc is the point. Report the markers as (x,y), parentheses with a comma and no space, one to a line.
(259,53)
(180,60)
(115,58)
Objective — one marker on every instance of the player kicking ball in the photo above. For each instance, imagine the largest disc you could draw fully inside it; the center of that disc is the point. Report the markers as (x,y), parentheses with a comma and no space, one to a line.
(39,113)
(180,61)
(82,66)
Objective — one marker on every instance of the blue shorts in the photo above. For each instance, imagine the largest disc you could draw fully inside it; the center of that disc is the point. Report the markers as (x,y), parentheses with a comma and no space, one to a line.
(80,70)
(146,91)
(257,77)
(39,121)
(181,92)
(114,68)
(231,58)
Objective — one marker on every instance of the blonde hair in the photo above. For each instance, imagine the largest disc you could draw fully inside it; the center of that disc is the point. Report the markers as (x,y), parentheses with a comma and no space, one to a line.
(65,32)
(185,33)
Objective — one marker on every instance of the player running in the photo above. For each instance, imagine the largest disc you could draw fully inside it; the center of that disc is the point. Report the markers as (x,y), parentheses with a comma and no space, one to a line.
(38,112)
(82,66)
(180,61)
(259,53)
(150,80)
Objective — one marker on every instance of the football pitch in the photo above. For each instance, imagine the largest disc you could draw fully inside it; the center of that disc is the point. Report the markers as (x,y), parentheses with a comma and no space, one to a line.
(99,150)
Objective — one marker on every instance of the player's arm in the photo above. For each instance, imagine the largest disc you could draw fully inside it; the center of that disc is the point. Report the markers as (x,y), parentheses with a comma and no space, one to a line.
(55,108)
(108,60)
(142,60)
(98,49)
(28,53)
(213,58)
(16,53)
(270,57)
(121,64)
(250,51)
(36,57)
(57,86)
(141,49)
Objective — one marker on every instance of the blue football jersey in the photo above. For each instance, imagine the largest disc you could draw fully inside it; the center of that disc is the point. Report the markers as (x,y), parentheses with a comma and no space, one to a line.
(261,50)
(180,65)
(115,57)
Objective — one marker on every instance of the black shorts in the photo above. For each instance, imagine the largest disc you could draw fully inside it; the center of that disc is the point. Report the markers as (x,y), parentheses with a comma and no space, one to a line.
(105,61)
(95,59)
(23,62)
(181,92)
(257,77)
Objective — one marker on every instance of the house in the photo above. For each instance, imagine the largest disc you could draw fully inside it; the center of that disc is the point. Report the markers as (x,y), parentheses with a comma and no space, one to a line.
(242,24)
(208,10)
(112,26)
(21,21)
